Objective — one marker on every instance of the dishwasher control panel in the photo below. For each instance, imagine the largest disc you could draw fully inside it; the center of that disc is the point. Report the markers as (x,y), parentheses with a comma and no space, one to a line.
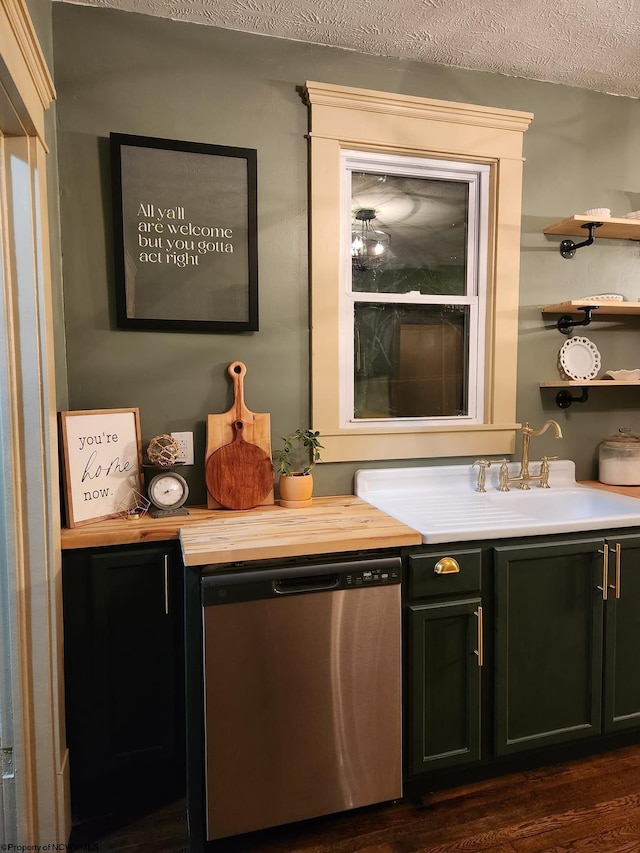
(371,577)
(298,578)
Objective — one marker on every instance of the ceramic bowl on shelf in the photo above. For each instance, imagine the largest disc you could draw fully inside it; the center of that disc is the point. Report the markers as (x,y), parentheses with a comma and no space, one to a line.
(601,297)
(623,375)
(600,212)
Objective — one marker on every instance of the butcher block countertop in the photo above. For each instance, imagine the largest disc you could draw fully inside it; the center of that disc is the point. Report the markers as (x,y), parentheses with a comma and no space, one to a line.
(329,525)
(630,491)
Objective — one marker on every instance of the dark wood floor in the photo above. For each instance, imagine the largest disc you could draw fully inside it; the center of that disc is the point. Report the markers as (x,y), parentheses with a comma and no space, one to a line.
(585,806)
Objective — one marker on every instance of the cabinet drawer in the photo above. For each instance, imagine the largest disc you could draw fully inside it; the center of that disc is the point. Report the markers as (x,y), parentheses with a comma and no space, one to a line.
(425,578)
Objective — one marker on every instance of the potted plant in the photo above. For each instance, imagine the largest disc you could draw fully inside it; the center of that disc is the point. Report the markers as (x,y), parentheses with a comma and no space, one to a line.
(294,463)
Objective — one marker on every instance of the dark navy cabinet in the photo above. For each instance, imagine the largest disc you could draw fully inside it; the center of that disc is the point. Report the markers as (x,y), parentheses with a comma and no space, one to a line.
(124,673)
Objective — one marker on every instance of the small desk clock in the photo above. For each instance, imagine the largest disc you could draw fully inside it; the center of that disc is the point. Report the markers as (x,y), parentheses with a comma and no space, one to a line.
(167,491)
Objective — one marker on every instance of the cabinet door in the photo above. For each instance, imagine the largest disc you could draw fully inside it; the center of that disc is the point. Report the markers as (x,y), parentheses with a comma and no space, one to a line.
(123,669)
(548,643)
(445,647)
(622,633)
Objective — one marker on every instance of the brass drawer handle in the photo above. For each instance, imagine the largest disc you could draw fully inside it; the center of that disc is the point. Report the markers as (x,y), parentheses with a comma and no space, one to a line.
(166,584)
(617,550)
(605,565)
(480,650)
(446,566)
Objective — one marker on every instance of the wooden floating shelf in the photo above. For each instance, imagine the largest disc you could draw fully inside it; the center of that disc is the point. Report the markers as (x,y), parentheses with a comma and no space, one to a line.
(588,383)
(612,229)
(573,307)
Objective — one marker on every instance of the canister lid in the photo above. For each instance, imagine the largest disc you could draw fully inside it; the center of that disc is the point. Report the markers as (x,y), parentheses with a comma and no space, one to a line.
(624,436)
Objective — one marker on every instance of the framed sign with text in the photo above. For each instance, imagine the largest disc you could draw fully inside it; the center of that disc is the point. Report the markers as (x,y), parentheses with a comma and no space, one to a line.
(102,463)
(185,233)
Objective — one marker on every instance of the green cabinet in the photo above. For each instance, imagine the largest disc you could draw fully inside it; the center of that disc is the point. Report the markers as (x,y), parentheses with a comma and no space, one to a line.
(444,631)
(123,629)
(566,640)
(622,635)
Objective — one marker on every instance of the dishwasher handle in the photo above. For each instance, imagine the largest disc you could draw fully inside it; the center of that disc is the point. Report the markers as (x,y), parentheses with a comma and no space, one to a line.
(315,583)
(271,581)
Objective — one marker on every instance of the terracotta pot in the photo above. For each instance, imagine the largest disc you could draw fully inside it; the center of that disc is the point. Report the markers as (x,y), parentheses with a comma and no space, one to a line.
(295,489)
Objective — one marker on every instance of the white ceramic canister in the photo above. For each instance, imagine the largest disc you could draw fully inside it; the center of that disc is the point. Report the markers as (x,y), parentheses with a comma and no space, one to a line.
(619,459)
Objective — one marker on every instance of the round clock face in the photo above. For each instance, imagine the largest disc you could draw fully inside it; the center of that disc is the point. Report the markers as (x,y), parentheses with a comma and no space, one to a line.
(168,491)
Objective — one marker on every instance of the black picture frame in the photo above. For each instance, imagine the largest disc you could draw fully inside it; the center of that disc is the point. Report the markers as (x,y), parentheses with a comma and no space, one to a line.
(185,235)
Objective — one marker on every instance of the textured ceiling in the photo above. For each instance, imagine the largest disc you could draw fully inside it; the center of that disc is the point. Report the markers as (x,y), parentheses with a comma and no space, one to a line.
(592,44)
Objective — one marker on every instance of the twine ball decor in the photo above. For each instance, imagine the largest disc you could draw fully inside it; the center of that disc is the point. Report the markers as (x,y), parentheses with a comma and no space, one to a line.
(163,450)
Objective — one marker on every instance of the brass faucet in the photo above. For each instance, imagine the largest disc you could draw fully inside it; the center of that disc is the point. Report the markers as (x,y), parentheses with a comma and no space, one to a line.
(524,477)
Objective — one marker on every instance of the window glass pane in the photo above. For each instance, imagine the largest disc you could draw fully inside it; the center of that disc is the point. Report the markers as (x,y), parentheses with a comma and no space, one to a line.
(408,234)
(411,361)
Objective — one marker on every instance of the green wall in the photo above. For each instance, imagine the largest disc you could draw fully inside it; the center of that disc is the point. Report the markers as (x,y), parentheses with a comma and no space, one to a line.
(129,73)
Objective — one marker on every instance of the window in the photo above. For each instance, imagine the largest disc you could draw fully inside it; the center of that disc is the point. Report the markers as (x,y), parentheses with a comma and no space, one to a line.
(412,313)
(415,249)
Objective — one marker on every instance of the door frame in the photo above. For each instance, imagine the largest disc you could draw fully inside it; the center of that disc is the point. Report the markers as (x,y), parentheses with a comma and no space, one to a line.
(34,796)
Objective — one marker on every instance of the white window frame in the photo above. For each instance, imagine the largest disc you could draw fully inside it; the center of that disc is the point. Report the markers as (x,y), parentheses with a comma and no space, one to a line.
(476,177)
(344,118)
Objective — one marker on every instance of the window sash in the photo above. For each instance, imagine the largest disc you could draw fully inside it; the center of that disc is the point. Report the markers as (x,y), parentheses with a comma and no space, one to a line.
(476,176)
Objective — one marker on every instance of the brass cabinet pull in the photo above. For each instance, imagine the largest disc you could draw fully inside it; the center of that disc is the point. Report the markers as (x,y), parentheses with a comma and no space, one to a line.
(605,561)
(480,650)
(446,566)
(617,550)
(166,584)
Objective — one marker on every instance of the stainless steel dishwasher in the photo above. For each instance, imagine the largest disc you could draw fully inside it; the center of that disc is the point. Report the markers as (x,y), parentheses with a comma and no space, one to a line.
(302,691)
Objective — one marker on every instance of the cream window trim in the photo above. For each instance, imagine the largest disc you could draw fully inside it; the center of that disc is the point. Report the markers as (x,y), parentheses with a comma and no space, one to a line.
(23,73)
(363,120)
(35,798)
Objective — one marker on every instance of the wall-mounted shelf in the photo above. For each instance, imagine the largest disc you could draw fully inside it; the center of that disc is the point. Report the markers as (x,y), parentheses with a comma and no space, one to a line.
(574,306)
(612,383)
(564,397)
(612,229)
(577,226)
(585,226)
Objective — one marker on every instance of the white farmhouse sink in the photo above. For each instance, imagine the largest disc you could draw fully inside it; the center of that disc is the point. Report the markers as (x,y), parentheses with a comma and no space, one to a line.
(442,503)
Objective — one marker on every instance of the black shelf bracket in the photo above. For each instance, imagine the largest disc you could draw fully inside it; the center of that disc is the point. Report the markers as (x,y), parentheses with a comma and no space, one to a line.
(564,398)
(568,247)
(565,323)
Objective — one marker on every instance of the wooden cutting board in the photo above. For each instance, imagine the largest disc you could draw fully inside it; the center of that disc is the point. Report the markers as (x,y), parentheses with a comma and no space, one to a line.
(221,432)
(239,475)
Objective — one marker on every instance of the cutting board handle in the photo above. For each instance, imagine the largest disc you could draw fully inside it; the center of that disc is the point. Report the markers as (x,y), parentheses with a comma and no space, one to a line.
(237,370)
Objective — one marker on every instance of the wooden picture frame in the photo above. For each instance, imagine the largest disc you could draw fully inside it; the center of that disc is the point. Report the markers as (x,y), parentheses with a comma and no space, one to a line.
(185,235)
(102,463)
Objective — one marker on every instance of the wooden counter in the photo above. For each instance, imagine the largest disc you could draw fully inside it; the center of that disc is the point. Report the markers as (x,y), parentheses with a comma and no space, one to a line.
(629,491)
(329,525)
(118,531)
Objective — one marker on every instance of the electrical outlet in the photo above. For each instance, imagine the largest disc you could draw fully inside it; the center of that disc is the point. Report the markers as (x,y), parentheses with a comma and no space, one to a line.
(185,442)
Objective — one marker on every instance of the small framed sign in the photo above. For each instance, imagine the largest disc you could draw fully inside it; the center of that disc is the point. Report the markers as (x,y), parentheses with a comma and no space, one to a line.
(102,456)
(185,234)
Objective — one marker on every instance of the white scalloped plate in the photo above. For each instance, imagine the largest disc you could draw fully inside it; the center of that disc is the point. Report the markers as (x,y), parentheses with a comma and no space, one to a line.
(580,358)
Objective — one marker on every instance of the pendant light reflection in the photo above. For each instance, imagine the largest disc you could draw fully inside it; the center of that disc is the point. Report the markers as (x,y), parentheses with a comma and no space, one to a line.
(369,245)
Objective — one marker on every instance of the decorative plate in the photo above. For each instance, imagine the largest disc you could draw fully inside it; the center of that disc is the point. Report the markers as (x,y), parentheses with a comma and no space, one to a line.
(580,358)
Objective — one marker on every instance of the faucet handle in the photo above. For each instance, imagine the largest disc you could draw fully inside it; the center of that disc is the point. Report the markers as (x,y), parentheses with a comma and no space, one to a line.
(482,464)
(504,476)
(544,472)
